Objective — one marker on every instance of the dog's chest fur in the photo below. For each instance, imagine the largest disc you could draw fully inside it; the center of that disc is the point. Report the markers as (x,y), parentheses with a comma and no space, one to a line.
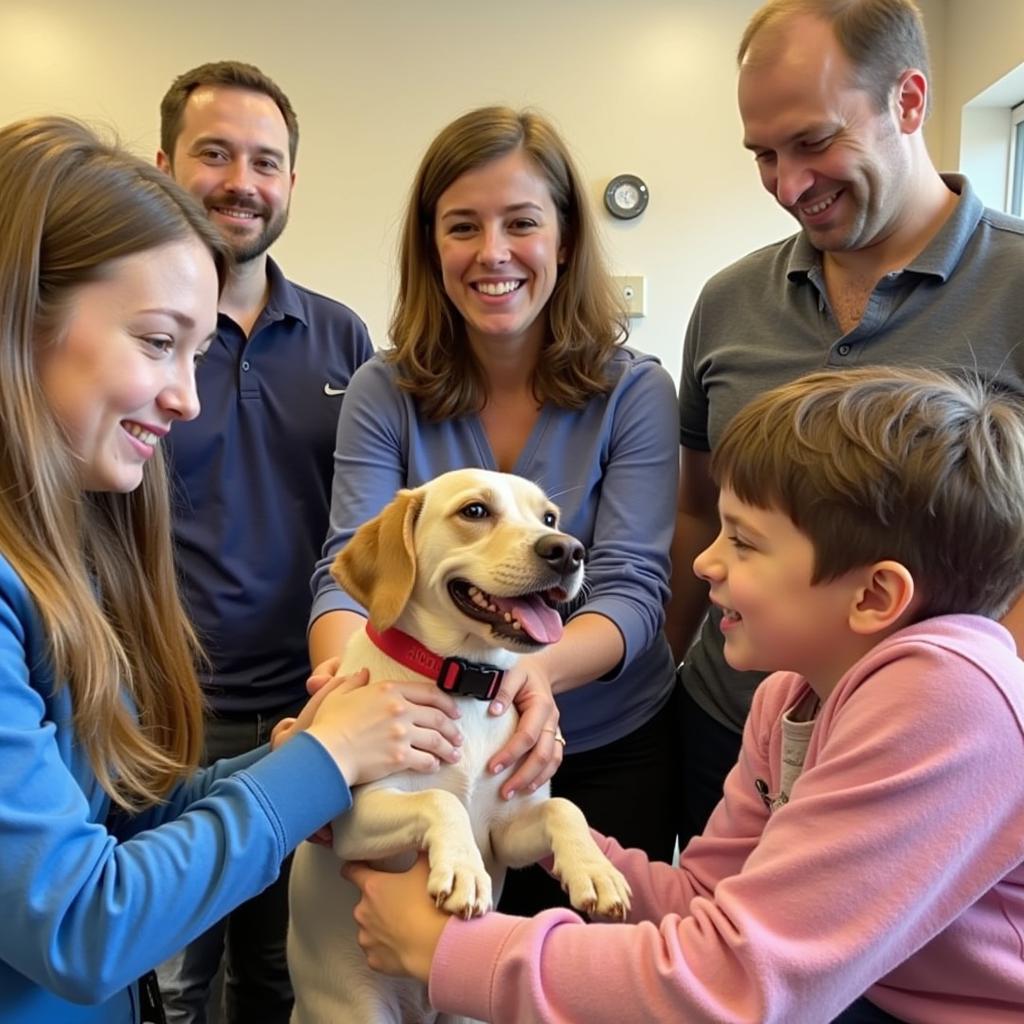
(483,735)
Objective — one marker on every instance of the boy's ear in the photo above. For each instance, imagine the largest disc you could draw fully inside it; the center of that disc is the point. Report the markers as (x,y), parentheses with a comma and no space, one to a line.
(885,594)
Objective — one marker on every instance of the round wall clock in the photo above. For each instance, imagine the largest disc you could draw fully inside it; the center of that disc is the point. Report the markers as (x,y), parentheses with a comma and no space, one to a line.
(626,196)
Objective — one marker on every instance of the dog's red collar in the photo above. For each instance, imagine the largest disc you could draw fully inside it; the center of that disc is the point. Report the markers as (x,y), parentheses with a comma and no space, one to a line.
(453,675)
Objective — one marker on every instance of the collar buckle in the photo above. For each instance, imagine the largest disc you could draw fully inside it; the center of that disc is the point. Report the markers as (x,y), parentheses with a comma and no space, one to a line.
(469,679)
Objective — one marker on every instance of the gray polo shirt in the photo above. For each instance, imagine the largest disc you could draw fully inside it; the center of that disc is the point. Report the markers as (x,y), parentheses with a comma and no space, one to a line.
(766,320)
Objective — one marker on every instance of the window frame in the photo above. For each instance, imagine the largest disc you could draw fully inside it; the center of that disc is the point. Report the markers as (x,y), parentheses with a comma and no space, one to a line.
(1015,173)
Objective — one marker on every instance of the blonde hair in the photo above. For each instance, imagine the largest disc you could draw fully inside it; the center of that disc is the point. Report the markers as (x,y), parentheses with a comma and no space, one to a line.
(878,463)
(586,320)
(881,38)
(99,566)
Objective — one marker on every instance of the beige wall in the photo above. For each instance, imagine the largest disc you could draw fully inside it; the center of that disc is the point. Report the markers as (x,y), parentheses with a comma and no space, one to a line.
(646,87)
(988,36)
(935,19)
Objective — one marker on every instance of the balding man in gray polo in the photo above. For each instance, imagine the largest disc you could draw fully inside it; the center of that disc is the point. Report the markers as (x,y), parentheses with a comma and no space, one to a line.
(893,263)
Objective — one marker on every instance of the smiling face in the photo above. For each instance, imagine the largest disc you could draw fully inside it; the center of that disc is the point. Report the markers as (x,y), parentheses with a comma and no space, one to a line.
(499,247)
(823,149)
(759,568)
(232,155)
(488,543)
(471,563)
(121,371)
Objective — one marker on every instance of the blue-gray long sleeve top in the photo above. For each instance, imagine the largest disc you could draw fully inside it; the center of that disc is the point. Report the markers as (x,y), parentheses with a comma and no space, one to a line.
(612,467)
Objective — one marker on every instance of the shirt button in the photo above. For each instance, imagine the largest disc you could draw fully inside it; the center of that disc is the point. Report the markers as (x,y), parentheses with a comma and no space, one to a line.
(245,364)
(844,350)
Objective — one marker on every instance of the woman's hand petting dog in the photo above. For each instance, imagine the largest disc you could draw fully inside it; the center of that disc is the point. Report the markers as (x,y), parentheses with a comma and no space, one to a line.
(399,926)
(374,730)
(326,683)
(536,741)
(385,727)
(533,744)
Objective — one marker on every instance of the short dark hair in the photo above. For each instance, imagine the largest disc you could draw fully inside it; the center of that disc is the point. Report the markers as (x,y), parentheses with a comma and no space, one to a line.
(871,463)
(881,38)
(234,74)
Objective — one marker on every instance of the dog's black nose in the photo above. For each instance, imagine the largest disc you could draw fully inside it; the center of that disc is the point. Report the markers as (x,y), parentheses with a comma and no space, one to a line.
(562,552)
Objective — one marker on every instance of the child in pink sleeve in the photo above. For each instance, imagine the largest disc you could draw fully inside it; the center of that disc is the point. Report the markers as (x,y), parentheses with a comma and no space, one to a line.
(865,862)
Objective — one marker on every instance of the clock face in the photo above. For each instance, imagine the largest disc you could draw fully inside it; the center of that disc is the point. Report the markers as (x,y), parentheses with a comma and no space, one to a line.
(626,196)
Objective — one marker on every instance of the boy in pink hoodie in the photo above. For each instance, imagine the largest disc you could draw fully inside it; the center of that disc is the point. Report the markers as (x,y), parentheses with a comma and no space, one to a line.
(865,862)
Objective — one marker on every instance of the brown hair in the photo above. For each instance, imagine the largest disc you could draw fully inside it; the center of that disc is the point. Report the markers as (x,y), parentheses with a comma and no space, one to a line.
(881,38)
(428,334)
(232,74)
(98,565)
(878,463)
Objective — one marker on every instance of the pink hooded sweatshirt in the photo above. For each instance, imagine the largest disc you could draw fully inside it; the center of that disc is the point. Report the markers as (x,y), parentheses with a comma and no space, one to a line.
(895,869)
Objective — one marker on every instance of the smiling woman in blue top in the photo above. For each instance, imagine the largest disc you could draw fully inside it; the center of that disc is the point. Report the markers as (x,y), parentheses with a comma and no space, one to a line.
(507,355)
(114,850)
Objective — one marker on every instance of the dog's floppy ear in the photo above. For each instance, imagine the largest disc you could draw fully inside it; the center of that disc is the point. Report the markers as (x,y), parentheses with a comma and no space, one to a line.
(378,565)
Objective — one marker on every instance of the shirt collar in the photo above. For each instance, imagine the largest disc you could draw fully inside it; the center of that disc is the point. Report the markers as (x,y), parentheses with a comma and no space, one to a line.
(283,299)
(939,257)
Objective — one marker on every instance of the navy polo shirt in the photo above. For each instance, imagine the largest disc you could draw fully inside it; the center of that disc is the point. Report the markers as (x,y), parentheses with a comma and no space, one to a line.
(251,478)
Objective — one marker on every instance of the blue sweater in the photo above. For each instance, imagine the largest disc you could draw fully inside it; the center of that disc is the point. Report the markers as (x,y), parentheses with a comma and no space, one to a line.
(93,900)
(612,467)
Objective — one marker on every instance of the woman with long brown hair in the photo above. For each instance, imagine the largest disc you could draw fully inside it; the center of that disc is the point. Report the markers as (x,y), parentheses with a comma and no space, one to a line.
(114,850)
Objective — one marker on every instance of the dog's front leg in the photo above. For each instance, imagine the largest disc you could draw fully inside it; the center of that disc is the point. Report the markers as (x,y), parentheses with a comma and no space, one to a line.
(385,822)
(557,826)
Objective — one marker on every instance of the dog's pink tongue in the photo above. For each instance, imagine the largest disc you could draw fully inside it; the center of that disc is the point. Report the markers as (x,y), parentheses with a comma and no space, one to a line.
(538,619)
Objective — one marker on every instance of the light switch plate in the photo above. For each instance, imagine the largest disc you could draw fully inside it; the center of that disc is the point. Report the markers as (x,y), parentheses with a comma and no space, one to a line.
(633,292)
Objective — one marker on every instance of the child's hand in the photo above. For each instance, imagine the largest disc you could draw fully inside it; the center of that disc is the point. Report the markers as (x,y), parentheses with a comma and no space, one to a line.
(385,727)
(399,926)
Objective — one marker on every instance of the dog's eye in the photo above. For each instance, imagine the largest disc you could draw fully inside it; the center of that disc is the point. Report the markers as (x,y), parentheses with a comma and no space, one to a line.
(551,519)
(475,510)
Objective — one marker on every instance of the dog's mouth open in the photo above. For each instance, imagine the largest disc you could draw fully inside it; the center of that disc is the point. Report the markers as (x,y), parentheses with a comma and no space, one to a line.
(527,619)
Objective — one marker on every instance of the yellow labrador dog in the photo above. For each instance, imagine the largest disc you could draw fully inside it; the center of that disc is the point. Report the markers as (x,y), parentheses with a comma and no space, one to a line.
(458,576)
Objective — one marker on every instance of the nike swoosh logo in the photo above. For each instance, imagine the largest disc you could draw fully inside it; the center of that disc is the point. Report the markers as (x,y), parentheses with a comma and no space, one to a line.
(331,392)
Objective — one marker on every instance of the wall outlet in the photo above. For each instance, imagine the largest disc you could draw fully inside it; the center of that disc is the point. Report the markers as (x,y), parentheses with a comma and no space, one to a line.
(633,292)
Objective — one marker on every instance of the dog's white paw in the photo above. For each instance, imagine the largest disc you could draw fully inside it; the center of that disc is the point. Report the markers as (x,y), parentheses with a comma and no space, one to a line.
(459,883)
(594,884)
